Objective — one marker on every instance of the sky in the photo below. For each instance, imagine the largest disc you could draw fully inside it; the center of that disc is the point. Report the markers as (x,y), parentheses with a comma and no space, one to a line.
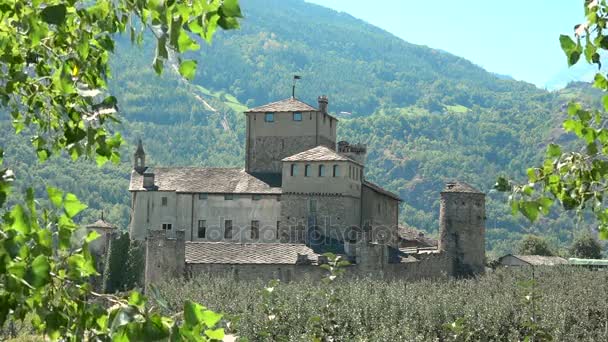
(519,38)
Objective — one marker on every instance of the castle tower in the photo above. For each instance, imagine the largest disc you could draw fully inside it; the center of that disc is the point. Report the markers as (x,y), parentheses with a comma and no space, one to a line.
(462,228)
(284,128)
(139,158)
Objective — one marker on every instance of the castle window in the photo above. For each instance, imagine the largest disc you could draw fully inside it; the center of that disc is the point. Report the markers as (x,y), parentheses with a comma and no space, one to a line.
(269,117)
(167,226)
(163,201)
(312,206)
(203,196)
(228,197)
(294,170)
(202,229)
(255,230)
(321,170)
(256,197)
(297,116)
(277,232)
(350,171)
(307,170)
(336,170)
(228,229)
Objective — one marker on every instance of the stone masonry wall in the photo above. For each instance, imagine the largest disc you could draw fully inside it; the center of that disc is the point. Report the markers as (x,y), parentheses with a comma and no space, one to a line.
(462,227)
(249,272)
(335,216)
(266,152)
(165,258)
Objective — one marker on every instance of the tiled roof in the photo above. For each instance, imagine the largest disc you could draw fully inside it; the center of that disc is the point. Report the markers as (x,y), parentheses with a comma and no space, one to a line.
(537,260)
(411,234)
(319,153)
(460,187)
(380,190)
(204,179)
(288,105)
(101,223)
(247,253)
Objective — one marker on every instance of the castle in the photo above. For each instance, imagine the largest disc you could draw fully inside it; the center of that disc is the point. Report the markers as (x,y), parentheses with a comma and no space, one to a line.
(301,194)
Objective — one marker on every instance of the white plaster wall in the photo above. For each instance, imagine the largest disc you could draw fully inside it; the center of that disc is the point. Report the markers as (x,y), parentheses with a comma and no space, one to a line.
(241,210)
(215,210)
(149,213)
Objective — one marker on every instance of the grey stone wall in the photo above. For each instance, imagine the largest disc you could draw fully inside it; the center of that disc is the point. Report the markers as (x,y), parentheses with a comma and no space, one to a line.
(165,258)
(380,216)
(335,216)
(250,272)
(462,231)
(266,152)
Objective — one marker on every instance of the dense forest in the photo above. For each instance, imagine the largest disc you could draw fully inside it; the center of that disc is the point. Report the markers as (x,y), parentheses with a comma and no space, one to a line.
(427,116)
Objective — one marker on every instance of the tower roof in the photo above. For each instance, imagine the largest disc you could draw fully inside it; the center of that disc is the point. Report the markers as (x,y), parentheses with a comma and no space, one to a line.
(287,105)
(319,153)
(461,187)
(101,224)
(140,147)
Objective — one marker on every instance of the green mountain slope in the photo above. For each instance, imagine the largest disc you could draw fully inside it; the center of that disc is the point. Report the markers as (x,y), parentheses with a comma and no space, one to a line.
(427,116)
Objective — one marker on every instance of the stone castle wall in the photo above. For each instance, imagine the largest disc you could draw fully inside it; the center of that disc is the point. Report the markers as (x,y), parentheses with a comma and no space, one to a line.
(334,216)
(266,152)
(462,227)
(165,257)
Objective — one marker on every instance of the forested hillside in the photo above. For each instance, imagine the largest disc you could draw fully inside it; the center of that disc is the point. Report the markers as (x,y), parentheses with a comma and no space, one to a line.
(427,116)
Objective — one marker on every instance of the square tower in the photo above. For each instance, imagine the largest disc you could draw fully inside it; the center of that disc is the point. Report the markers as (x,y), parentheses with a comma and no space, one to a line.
(281,129)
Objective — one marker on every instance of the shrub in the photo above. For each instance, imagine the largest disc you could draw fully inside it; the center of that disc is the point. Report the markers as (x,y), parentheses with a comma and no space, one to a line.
(534,245)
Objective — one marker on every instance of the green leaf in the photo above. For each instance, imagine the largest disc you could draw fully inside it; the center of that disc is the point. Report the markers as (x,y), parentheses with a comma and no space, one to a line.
(566,43)
(54,14)
(20,221)
(188,69)
(529,209)
(92,236)
(553,151)
(211,318)
(38,274)
(231,8)
(216,334)
(55,195)
(72,205)
(185,43)
(193,313)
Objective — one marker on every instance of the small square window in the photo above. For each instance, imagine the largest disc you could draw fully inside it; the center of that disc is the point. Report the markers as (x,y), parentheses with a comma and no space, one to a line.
(167,226)
(256,197)
(228,197)
(163,201)
(203,196)
(269,117)
(297,116)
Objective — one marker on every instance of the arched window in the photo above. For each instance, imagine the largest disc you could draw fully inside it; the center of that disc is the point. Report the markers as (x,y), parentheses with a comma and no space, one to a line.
(307,170)
(294,170)
(336,170)
(321,170)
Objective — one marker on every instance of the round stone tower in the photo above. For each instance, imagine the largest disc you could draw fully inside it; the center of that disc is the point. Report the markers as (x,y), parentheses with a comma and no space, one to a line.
(462,228)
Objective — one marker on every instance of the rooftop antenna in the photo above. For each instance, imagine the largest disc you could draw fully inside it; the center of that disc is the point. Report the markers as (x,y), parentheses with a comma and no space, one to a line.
(293,87)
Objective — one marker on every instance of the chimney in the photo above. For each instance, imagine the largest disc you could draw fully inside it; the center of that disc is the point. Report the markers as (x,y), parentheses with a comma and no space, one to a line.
(323,104)
(148,179)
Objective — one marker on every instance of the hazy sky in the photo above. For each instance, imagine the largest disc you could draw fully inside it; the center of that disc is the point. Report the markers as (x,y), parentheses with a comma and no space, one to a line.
(513,37)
